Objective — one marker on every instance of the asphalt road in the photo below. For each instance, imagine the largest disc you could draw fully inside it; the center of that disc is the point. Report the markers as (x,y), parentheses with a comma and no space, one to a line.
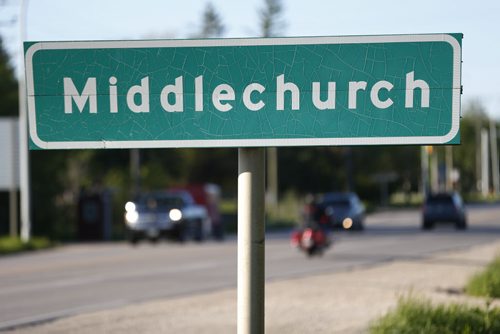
(81,278)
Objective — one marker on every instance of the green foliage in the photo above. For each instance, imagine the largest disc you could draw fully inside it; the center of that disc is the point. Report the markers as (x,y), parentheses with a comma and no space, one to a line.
(420,316)
(487,282)
(211,25)
(324,169)
(52,200)
(8,86)
(58,177)
(271,23)
(10,245)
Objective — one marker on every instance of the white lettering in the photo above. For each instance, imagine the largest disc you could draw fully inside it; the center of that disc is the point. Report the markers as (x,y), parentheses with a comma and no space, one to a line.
(71,94)
(198,93)
(375,97)
(354,86)
(171,97)
(247,93)
(177,90)
(223,92)
(411,85)
(330,98)
(281,88)
(143,91)
(113,95)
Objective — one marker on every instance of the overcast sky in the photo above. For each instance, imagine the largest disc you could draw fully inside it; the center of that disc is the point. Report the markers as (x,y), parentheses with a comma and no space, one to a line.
(479,21)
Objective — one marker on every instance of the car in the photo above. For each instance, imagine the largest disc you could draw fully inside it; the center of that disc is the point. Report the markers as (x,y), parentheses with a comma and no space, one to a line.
(341,210)
(169,214)
(446,207)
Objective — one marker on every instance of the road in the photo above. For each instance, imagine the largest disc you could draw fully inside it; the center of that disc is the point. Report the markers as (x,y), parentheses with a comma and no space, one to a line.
(76,279)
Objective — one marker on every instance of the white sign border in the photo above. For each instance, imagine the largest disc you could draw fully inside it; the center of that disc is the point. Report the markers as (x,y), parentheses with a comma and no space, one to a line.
(273,142)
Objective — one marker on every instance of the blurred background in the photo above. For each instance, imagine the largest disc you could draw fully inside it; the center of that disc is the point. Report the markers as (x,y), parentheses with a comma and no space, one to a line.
(74,188)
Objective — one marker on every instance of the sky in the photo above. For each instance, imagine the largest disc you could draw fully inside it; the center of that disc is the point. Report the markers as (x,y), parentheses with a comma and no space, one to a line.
(479,21)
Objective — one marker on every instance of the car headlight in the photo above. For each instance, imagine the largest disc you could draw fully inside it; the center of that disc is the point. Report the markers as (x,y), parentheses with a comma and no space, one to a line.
(132,217)
(130,206)
(175,215)
(347,223)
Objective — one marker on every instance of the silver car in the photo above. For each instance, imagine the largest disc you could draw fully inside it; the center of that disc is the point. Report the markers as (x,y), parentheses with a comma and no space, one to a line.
(169,214)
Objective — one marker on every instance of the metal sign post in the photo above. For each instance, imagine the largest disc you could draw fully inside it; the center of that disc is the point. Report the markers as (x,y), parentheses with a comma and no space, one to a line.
(251,240)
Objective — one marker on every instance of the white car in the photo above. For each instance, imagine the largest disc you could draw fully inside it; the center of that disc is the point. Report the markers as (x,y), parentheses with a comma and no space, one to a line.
(169,214)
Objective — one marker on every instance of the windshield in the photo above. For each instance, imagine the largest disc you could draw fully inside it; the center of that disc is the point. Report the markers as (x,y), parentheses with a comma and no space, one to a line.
(339,203)
(440,200)
(164,200)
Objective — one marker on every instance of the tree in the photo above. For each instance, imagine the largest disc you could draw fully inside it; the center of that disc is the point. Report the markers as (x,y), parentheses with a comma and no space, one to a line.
(211,25)
(468,154)
(270,16)
(8,86)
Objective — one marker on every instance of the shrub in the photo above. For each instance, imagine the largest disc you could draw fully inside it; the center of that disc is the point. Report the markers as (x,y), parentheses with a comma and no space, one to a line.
(487,282)
(420,316)
(10,245)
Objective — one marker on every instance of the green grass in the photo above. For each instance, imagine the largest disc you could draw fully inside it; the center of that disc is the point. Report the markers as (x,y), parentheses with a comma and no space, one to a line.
(420,316)
(487,282)
(9,245)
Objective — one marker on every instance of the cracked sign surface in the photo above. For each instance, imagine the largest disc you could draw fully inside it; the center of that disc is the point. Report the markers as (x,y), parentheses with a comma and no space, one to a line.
(355,90)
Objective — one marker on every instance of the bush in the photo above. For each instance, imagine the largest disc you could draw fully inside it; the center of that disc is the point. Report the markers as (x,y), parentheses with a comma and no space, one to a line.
(10,245)
(420,316)
(487,282)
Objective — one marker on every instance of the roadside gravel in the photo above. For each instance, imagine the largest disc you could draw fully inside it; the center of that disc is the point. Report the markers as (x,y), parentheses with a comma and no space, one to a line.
(343,302)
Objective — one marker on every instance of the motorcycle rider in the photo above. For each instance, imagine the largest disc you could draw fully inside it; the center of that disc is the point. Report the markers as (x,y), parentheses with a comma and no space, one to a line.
(314,217)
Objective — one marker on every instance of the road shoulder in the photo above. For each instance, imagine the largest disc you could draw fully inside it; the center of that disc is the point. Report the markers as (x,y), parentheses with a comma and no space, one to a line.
(343,302)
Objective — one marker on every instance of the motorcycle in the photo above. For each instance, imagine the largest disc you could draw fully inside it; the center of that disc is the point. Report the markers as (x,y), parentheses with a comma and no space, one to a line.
(313,241)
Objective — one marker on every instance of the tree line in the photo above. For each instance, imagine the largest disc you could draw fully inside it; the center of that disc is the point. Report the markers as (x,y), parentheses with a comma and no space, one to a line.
(59,177)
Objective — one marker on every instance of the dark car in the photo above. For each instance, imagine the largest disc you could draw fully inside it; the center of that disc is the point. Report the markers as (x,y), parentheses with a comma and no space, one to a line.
(171,214)
(444,207)
(341,210)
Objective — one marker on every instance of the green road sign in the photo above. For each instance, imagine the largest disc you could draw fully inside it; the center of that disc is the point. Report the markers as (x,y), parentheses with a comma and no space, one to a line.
(352,90)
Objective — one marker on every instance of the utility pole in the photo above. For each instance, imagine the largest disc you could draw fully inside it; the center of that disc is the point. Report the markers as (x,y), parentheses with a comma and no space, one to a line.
(24,176)
(271,26)
(449,167)
(485,175)
(434,170)
(135,173)
(13,202)
(424,163)
(272,177)
(494,157)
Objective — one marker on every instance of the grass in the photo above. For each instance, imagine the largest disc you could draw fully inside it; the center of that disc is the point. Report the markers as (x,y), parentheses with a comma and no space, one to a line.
(420,316)
(9,245)
(487,282)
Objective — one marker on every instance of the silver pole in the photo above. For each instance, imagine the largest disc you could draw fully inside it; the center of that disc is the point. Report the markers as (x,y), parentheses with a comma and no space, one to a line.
(449,167)
(424,162)
(272,178)
(13,202)
(485,171)
(135,171)
(24,183)
(434,170)
(494,157)
(251,240)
